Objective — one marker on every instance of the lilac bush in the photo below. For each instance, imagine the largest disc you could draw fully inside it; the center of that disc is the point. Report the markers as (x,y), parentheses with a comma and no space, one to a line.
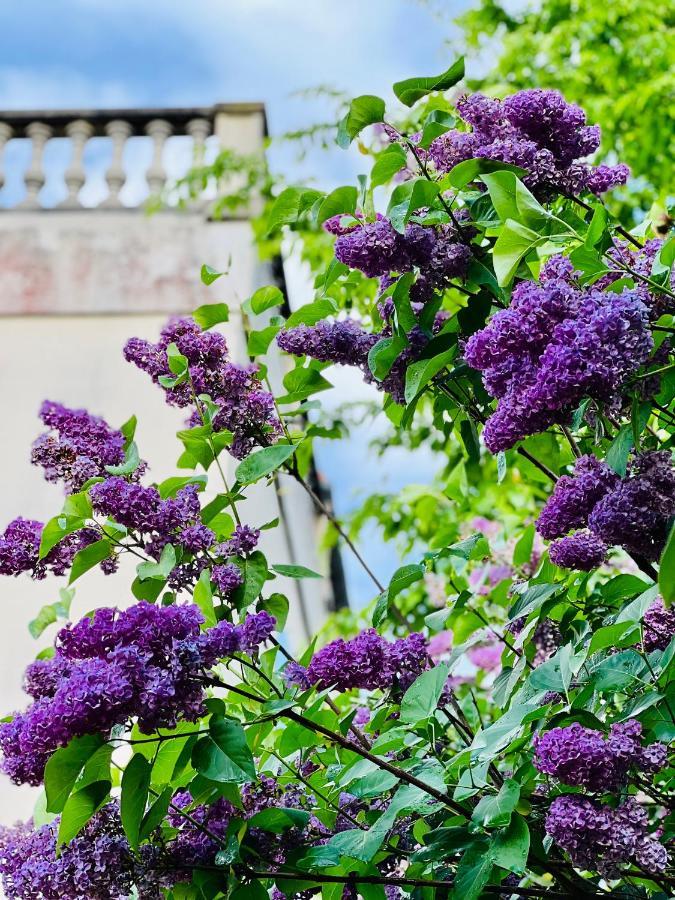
(499,720)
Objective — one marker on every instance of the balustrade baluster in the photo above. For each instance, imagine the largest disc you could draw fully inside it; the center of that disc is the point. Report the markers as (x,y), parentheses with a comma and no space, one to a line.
(34,176)
(5,135)
(159,130)
(119,132)
(199,130)
(75,175)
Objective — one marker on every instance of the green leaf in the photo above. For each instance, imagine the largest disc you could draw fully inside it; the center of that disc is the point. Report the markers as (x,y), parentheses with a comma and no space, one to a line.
(79,808)
(51,613)
(209,275)
(408,197)
(512,200)
(224,755)
(302,383)
(155,815)
(56,529)
(420,373)
(341,201)
(387,164)
(411,90)
(203,597)
(295,571)
(255,573)
(131,462)
(469,170)
(513,243)
(134,796)
(263,462)
(363,111)
(64,767)
(277,605)
(88,557)
(289,206)
(383,355)
(597,225)
(400,580)
(667,570)
(170,486)
(311,313)
(278,819)
(161,569)
(421,699)
(264,298)
(473,547)
(259,341)
(522,552)
(510,847)
(492,811)
(211,314)
(358,844)
(619,450)
(473,873)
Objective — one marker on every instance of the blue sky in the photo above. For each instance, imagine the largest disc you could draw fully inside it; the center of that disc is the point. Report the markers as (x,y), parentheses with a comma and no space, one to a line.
(134,53)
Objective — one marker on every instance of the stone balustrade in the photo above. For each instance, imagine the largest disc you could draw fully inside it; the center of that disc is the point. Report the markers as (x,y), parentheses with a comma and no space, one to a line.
(42,184)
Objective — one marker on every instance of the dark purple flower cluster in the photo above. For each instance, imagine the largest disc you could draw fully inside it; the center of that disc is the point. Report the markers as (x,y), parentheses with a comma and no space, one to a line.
(585,758)
(574,497)
(366,661)
(554,346)
(77,447)
(658,626)
(377,250)
(145,662)
(636,514)
(600,838)
(632,512)
(96,865)
(20,549)
(346,342)
(536,130)
(244,408)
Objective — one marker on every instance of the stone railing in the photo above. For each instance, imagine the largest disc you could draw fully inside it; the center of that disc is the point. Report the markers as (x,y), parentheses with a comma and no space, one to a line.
(46,185)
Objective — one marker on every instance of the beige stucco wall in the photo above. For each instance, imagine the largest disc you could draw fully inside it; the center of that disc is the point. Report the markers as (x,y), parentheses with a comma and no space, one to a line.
(73,287)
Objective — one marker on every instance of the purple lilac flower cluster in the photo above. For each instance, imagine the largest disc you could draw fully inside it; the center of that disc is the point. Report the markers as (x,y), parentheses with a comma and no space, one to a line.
(20,549)
(554,346)
(244,408)
(536,130)
(77,447)
(584,757)
(640,260)
(377,250)
(146,661)
(600,838)
(366,661)
(658,626)
(631,512)
(346,342)
(96,865)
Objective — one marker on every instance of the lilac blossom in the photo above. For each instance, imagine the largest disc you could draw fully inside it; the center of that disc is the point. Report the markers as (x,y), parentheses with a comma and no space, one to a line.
(147,662)
(554,346)
(658,626)
(583,757)
(244,408)
(536,130)
(366,661)
(582,550)
(20,549)
(574,497)
(601,838)
(77,446)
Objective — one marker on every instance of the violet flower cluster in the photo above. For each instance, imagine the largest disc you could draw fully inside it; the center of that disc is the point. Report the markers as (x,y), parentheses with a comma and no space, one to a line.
(346,342)
(77,446)
(377,250)
(20,549)
(554,346)
(658,626)
(632,512)
(601,838)
(244,408)
(145,662)
(583,757)
(367,661)
(536,130)
(96,865)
